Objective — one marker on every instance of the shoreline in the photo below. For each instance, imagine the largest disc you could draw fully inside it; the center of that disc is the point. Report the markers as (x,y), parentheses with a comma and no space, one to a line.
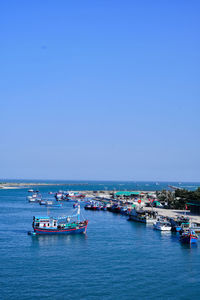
(171,213)
(12,185)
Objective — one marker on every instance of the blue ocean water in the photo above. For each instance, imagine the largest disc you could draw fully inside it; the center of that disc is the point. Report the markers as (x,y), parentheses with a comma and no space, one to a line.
(117,259)
(111,185)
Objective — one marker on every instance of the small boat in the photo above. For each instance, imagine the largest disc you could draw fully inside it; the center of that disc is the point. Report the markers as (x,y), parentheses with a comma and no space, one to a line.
(61,225)
(162,225)
(50,203)
(115,208)
(34,198)
(75,205)
(179,223)
(30,191)
(123,210)
(195,226)
(88,206)
(188,237)
(104,207)
(142,216)
(59,196)
(92,206)
(54,205)
(43,202)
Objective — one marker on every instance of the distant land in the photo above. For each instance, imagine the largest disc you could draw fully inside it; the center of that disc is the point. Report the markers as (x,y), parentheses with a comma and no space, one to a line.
(12,185)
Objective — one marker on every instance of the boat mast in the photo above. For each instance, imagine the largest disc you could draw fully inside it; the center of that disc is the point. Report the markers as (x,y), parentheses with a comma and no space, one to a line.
(78,212)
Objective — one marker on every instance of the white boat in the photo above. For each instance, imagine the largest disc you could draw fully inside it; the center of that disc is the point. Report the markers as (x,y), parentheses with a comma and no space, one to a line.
(195,226)
(162,225)
(33,199)
(59,196)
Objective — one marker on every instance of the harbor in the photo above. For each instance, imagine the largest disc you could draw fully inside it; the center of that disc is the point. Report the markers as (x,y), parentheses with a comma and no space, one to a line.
(138,206)
(111,243)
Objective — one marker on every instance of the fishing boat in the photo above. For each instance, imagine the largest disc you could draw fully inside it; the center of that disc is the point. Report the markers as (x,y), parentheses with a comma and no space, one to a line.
(123,210)
(162,225)
(142,216)
(179,223)
(115,208)
(43,202)
(34,198)
(104,207)
(46,225)
(195,226)
(54,205)
(50,203)
(188,237)
(92,205)
(88,206)
(59,196)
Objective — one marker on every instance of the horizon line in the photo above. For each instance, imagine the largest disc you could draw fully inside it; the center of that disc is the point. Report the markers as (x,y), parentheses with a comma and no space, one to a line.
(96,180)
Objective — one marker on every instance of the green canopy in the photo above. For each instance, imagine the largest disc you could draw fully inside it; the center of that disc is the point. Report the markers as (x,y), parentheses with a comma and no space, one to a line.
(125,193)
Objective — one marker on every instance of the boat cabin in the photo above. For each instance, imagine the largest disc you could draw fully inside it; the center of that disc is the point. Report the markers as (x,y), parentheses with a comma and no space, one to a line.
(44,222)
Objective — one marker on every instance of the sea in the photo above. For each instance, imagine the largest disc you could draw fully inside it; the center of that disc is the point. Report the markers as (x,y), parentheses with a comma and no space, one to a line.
(116,259)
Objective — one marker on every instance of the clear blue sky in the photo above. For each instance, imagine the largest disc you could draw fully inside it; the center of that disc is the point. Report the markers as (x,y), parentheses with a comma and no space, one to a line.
(100,90)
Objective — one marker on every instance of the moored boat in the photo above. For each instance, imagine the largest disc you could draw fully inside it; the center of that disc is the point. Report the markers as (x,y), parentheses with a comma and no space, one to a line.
(188,237)
(59,196)
(92,205)
(43,202)
(179,223)
(142,216)
(115,208)
(162,225)
(195,226)
(34,198)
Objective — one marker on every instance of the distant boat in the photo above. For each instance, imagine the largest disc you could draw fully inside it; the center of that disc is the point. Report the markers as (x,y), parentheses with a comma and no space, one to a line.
(195,226)
(179,223)
(162,225)
(43,202)
(59,196)
(34,198)
(174,187)
(62,225)
(50,203)
(188,237)
(142,216)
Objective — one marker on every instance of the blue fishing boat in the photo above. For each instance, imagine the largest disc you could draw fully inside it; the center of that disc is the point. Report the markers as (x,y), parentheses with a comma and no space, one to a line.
(188,237)
(115,208)
(104,207)
(54,205)
(123,210)
(142,216)
(179,223)
(61,225)
(92,205)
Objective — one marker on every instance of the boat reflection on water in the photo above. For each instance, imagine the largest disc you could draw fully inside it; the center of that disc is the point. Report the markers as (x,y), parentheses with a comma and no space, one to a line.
(188,246)
(41,241)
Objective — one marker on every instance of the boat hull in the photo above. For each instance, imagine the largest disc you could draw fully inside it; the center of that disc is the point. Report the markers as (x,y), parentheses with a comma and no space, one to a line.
(162,228)
(141,220)
(41,231)
(188,240)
